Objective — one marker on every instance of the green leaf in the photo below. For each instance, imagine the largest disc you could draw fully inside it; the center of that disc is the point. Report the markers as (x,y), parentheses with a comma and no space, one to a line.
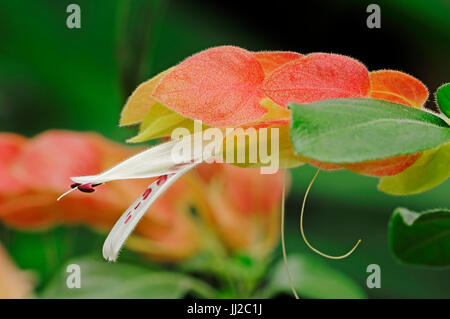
(430,170)
(443,98)
(100,279)
(240,269)
(421,238)
(312,278)
(357,130)
(45,252)
(239,266)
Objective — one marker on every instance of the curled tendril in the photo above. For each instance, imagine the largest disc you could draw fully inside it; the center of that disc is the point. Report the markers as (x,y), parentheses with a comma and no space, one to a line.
(283,244)
(303,233)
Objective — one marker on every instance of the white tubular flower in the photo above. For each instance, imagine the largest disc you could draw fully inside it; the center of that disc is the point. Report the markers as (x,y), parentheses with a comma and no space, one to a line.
(159,161)
(156,161)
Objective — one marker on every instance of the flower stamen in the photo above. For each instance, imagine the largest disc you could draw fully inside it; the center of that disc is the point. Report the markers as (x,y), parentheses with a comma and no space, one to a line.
(85,188)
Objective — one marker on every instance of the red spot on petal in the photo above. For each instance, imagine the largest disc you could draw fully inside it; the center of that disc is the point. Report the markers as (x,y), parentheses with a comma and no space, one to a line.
(161,180)
(146,193)
(181,165)
(176,166)
(137,205)
(126,221)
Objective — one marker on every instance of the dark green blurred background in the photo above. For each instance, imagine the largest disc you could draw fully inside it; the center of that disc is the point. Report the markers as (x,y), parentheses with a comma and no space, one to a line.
(78,79)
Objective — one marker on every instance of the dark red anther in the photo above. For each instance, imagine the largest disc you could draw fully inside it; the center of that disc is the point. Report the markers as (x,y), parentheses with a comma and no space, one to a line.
(86,188)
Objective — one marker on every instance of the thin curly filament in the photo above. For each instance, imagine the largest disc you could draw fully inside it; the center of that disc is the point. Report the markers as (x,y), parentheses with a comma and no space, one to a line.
(303,233)
(283,244)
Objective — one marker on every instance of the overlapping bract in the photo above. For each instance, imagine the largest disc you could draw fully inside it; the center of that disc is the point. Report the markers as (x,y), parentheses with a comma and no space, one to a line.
(233,87)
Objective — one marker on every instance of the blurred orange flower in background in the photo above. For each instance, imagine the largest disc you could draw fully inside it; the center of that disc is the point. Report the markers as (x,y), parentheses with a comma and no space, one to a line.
(34,172)
(239,205)
(14,283)
(242,205)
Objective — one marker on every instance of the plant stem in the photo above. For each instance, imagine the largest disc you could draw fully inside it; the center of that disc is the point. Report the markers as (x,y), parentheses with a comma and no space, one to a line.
(283,245)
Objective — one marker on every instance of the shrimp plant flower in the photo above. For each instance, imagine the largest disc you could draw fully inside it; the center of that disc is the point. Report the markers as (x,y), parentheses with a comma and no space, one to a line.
(328,109)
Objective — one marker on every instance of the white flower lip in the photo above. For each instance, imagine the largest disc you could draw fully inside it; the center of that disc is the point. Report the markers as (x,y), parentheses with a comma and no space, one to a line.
(157,161)
(131,217)
(153,162)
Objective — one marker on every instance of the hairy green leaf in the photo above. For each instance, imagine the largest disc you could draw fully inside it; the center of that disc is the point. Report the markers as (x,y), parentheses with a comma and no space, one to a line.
(443,98)
(312,278)
(357,130)
(421,238)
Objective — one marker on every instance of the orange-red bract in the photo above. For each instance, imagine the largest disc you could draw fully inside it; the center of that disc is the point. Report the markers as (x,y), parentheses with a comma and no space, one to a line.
(226,86)
(270,60)
(218,86)
(317,76)
(384,167)
(398,87)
